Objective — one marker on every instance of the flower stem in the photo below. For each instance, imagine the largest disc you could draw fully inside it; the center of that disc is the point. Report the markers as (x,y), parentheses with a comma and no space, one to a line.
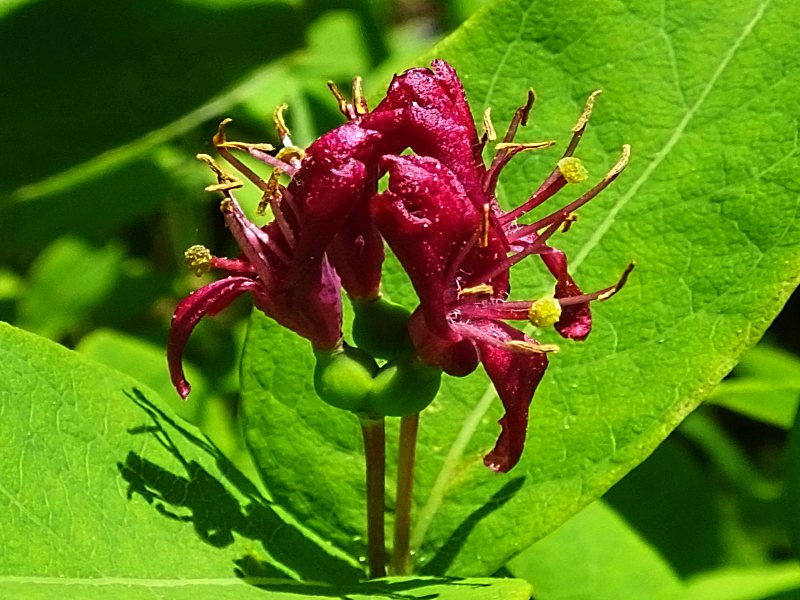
(401,557)
(375,452)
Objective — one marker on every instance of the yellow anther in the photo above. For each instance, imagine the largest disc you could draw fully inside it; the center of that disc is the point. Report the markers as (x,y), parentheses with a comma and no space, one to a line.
(568,221)
(280,124)
(526,146)
(225,182)
(544,312)
(488,127)
(271,193)
(483,241)
(219,137)
(572,169)
(587,111)
(359,100)
(621,163)
(477,290)
(531,347)
(340,99)
(198,259)
(290,154)
(246,147)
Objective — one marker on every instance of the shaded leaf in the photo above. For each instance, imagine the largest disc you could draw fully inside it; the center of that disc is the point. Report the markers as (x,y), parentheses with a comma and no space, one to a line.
(98,482)
(76,84)
(765,386)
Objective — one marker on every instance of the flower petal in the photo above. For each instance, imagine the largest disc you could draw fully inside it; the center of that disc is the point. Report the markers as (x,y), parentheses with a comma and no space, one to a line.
(576,319)
(207,300)
(515,376)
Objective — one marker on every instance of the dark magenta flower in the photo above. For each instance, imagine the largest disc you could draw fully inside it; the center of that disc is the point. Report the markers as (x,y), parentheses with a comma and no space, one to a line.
(306,300)
(457,250)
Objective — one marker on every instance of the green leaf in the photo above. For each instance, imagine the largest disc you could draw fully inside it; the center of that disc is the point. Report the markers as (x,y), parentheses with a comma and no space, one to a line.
(703,93)
(765,386)
(67,282)
(106,495)
(753,583)
(121,71)
(98,482)
(596,555)
(146,363)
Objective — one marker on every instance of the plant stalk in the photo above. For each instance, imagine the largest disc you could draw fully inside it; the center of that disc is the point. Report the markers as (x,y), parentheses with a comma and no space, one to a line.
(375,452)
(401,556)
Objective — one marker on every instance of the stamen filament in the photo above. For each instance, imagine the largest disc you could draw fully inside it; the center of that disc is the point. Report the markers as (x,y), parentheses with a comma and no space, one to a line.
(599,295)
(510,150)
(550,186)
(560,215)
(222,145)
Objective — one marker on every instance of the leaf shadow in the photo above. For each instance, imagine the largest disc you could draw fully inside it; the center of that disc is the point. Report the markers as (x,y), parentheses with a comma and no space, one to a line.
(218,508)
(445,556)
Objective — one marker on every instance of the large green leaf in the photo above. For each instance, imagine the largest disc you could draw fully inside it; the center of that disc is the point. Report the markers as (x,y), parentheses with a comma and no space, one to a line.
(107,495)
(98,481)
(704,93)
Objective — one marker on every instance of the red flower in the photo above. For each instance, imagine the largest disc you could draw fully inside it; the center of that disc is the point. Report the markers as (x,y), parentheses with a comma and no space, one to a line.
(457,247)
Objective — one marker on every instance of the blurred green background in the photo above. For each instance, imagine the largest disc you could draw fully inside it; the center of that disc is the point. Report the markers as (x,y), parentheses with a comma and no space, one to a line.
(104,107)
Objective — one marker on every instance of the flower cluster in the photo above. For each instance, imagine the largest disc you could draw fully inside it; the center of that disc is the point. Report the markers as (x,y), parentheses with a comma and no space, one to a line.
(438,215)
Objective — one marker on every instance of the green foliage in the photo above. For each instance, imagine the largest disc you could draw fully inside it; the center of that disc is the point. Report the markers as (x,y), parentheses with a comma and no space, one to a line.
(703,215)
(106,495)
(107,492)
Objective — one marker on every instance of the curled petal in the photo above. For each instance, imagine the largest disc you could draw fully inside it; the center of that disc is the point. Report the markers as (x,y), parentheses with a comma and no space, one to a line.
(426,219)
(515,376)
(208,300)
(576,319)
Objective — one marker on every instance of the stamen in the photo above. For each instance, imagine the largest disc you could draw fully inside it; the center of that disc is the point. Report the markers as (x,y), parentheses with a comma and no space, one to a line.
(530,347)
(560,215)
(198,259)
(489,134)
(222,145)
(359,100)
(272,200)
(544,312)
(550,186)
(521,146)
(520,116)
(600,295)
(344,106)
(503,155)
(225,182)
(484,232)
(292,155)
(580,125)
(476,290)
(271,194)
(280,124)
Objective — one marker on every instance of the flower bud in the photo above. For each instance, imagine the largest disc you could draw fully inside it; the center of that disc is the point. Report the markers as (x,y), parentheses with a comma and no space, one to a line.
(381,328)
(343,377)
(403,387)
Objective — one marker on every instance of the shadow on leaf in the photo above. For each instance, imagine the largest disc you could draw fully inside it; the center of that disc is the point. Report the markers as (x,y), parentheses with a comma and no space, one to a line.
(447,553)
(219,507)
